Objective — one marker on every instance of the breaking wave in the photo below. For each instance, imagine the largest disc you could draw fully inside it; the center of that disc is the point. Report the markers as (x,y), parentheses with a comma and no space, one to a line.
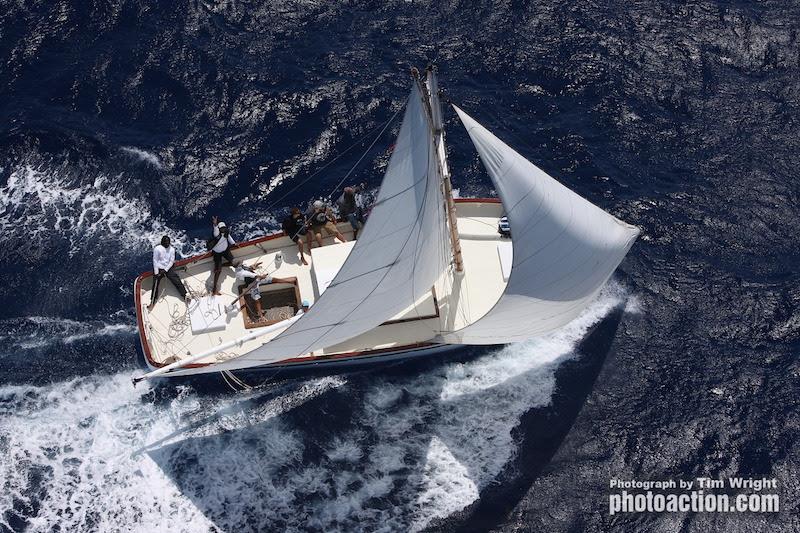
(34,332)
(43,201)
(144,156)
(96,454)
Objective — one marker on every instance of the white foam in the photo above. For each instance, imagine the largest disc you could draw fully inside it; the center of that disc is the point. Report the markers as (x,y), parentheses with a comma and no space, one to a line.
(104,331)
(39,201)
(634,305)
(86,437)
(415,448)
(448,486)
(38,331)
(144,156)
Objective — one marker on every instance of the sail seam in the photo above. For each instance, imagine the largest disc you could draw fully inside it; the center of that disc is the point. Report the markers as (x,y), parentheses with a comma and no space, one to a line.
(402,249)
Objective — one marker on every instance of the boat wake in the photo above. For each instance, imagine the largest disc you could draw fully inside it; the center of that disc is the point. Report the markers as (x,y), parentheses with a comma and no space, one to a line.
(371,451)
(41,202)
(39,332)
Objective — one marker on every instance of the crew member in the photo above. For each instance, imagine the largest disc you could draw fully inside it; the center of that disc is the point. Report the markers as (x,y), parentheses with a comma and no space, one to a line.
(350,208)
(321,219)
(222,242)
(164,266)
(252,281)
(295,227)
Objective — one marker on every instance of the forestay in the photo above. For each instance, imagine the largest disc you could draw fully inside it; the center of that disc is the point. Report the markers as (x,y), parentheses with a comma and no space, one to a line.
(564,248)
(397,258)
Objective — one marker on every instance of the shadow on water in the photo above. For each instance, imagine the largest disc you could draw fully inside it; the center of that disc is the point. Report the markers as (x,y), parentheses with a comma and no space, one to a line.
(356,452)
(542,430)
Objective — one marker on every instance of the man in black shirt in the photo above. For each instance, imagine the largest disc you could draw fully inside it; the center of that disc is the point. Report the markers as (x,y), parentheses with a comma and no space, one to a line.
(295,227)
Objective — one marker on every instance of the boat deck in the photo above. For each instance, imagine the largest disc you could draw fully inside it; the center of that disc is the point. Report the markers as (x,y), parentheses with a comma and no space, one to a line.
(168,332)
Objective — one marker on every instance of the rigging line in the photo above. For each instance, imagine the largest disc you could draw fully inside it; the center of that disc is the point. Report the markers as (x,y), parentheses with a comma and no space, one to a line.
(238,381)
(366,152)
(287,333)
(398,193)
(228,383)
(400,252)
(339,156)
(381,267)
(478,220)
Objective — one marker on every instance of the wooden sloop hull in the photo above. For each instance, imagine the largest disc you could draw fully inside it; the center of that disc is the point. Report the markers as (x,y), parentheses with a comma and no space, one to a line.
(342,363)
(333,362)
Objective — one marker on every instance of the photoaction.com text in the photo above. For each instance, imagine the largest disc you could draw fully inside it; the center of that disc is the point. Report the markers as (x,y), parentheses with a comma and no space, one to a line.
(691,496)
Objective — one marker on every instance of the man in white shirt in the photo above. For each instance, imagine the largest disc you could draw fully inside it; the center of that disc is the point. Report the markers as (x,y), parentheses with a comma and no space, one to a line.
(164,266)
(221,249)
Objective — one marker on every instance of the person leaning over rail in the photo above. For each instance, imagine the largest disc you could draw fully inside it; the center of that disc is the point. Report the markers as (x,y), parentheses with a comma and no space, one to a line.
(295,226)
(164,266)
(321,218)
(220,245)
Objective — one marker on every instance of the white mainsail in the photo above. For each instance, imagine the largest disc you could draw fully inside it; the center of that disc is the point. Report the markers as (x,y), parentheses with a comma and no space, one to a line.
(397,258)
(564,248)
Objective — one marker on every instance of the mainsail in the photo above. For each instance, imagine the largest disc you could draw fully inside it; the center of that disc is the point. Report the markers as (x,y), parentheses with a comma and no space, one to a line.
(397,258)
(564,248)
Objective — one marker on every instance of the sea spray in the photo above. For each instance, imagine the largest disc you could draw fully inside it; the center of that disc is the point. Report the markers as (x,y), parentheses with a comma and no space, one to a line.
(144,156)
(96,454)
(43,201)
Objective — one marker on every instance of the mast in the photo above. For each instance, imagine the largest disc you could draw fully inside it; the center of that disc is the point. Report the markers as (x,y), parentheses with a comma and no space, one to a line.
(430,89)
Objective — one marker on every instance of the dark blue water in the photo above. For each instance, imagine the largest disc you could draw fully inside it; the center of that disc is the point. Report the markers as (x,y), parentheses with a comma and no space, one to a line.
(122,121)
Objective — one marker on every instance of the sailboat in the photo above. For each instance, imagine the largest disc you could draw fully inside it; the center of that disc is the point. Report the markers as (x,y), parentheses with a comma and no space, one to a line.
(428,273)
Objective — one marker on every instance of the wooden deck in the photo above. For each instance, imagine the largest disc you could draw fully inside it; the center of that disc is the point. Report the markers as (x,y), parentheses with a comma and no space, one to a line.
(454,301)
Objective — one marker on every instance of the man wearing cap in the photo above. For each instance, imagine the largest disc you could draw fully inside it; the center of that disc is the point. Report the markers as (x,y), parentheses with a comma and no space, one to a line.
(221,249)
(321,219)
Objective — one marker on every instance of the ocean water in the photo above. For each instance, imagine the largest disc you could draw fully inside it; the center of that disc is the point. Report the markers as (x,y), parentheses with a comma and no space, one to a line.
(122,121)
(378,451)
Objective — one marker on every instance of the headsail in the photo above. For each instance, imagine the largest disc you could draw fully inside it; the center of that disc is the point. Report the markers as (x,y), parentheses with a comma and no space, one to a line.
(397,258)
(565,248)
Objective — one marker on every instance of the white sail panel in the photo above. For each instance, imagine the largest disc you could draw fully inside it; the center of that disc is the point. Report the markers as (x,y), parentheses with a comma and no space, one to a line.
(397,258)
(564,248)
